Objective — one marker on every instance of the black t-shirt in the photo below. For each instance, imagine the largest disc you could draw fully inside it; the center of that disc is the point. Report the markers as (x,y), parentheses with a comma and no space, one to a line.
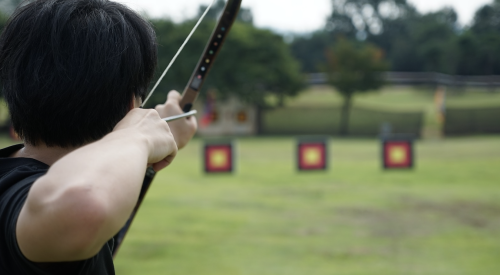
(16,177)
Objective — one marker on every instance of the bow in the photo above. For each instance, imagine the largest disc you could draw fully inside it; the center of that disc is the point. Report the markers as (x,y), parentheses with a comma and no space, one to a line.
(190,93)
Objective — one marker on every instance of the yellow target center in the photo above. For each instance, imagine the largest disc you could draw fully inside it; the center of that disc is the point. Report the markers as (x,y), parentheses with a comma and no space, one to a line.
(398,154)
(218,158)
(312,156)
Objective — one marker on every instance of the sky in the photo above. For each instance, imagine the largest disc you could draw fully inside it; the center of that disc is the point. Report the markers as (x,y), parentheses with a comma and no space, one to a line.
(301,15)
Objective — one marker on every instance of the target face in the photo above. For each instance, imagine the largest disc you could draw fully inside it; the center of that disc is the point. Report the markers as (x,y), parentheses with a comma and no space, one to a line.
(312,155)
(242,117)
(218,158)
(398,154)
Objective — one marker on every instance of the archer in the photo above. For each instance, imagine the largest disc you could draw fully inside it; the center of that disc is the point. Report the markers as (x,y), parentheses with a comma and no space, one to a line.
(73,73)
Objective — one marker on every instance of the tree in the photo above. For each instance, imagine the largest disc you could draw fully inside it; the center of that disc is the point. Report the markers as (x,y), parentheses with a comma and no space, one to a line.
(362,18)
(435,35)
(254,64)
(487,19)
(354,68)
(479,45)
(416,42)
(310,50)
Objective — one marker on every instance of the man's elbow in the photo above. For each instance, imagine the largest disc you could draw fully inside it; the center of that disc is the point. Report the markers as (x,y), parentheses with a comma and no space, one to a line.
(75,224)
(87,225)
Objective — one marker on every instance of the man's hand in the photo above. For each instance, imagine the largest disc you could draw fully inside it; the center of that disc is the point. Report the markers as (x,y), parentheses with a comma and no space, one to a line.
(161,145)
(182,129)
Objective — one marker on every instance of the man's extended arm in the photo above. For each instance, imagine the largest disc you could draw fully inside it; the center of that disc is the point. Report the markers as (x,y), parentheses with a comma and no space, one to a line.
(88,195)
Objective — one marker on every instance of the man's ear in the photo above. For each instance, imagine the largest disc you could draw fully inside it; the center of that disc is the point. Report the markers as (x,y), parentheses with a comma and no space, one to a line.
(131,103)
(135,102)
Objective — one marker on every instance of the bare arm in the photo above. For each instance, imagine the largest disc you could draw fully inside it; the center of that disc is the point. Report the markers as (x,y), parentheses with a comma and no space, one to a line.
(88,195)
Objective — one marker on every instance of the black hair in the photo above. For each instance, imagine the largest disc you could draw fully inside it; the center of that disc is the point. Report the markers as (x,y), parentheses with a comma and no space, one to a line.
(70,68)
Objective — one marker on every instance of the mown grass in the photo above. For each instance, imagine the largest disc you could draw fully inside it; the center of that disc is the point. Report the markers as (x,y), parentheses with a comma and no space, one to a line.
(443,217)
(388,99)
(397,98)
(440,218)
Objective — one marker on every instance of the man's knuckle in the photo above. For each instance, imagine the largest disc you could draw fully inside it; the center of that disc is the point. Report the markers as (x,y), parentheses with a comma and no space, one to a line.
(152,112)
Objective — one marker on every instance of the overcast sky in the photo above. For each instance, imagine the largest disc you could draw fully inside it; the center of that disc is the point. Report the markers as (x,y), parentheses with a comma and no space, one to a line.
(300,15)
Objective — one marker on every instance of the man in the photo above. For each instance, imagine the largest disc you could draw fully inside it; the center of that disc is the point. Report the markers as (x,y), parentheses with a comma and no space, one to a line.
(73,73)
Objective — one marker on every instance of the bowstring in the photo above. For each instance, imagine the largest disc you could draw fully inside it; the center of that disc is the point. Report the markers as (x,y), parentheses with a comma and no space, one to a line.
(177,54)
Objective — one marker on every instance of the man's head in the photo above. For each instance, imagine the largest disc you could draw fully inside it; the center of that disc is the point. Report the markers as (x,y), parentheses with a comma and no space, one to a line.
(70,68)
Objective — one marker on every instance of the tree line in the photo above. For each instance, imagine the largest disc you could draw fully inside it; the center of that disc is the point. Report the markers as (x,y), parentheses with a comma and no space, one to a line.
(411,41)
(257,65)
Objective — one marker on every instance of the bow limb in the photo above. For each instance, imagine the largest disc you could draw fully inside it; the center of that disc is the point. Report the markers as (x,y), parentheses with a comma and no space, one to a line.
(211,51)
(190,94)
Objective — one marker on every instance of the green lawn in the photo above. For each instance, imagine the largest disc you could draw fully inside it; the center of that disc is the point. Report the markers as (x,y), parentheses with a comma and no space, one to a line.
(397,98)
(389,98)
(267,219)
(441,218)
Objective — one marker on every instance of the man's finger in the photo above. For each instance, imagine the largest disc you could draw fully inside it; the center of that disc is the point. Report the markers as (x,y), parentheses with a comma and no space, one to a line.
(174,95)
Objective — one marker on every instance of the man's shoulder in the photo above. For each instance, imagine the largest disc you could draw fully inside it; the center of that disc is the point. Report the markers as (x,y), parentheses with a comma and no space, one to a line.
(16,177)
(18,171)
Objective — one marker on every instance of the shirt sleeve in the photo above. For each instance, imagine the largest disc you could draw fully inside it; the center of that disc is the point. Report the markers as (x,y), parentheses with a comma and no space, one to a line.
(12,260)
(11,203)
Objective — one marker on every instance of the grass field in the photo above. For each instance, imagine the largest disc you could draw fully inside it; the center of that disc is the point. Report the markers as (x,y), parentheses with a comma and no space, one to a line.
(441,218)
(397,98)
(392,99)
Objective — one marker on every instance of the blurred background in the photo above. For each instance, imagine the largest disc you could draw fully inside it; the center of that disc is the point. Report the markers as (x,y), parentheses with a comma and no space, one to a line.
(351,71)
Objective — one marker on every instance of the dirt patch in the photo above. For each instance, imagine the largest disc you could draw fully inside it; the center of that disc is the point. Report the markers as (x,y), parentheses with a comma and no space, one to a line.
(469,213)
(413,217)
